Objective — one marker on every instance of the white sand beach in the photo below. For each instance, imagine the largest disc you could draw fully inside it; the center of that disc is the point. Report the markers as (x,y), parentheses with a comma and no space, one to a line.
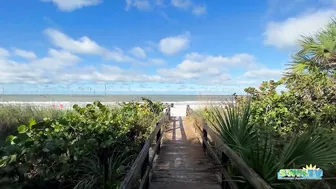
(178,109)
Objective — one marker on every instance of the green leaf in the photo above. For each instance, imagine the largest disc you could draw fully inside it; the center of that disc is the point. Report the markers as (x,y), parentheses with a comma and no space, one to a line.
(12,158)
(10,139)
(31,122)
(21,129)
(82,110)
(45,150)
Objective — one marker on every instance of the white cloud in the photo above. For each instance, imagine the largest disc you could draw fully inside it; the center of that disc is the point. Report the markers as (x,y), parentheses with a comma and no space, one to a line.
(196,66)
(62,66)
(181,3)
(285,34)
(149,5)
(85,45)
(264,73)
(37,70)
(70,5)
(24,54)
(199,10)
(139,4)
(157,61)
(57,59)
(4,52)
(138,52)
(174,44)
(189,5)
(107,73)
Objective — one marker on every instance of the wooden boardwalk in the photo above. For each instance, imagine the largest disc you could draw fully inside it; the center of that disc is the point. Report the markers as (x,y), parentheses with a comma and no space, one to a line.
(182,163)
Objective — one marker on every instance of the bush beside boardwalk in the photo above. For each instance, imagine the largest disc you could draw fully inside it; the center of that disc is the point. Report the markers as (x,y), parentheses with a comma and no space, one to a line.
(88,147)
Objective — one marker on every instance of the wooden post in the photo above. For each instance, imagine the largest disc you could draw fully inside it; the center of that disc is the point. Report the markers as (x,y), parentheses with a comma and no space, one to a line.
(143,171)
(168,113)
(158,136)
(188,109)
(224,159)
(205,135)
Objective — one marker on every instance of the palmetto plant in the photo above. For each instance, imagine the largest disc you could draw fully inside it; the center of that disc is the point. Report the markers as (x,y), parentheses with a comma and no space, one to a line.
(94,175)
(231,123)
(234,128)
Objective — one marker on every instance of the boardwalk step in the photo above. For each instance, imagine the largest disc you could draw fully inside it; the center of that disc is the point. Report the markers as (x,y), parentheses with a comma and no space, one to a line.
(184,168)
(185,179)
(179,185)
(195,176)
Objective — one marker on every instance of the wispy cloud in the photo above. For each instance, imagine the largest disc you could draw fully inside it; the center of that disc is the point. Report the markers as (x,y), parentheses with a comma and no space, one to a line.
(85,45)
(71,5)
(199,10)
(184,4)
(138,4)
(146,5)
(138,52)
(24,53)
(196,9)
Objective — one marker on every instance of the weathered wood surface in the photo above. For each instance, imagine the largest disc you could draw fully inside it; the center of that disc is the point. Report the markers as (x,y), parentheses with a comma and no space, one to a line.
(182,164)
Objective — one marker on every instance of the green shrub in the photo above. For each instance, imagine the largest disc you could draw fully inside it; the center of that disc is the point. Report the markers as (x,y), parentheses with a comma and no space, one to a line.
(52,153)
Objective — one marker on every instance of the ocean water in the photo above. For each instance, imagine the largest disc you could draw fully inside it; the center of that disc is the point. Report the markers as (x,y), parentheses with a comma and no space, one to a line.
(113,98)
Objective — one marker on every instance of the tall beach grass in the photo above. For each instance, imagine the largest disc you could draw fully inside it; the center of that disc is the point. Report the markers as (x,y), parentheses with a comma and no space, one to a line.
(11,116)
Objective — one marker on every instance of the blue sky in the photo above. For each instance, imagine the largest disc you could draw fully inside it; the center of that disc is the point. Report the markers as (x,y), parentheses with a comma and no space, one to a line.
(150,46)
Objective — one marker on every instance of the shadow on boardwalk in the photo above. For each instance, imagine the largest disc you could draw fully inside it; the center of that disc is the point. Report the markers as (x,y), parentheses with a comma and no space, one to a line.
(182,162)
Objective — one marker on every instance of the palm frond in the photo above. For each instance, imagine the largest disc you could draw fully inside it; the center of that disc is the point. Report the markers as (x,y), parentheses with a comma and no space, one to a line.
(309,148)
(232,124)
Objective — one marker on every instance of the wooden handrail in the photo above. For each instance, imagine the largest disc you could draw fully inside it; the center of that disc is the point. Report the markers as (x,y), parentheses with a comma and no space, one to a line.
(143,163)
(227,153)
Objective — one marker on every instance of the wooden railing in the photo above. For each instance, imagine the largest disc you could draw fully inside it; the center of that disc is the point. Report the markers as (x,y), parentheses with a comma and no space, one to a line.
(207,136)
(138,175)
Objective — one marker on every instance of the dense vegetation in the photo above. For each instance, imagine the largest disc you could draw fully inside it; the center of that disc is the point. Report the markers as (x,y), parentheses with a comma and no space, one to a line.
(290,129)
(88,147)
(13,115)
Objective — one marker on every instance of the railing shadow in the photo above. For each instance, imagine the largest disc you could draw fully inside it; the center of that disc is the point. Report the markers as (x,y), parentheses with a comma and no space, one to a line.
(177,126)
(183,134)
